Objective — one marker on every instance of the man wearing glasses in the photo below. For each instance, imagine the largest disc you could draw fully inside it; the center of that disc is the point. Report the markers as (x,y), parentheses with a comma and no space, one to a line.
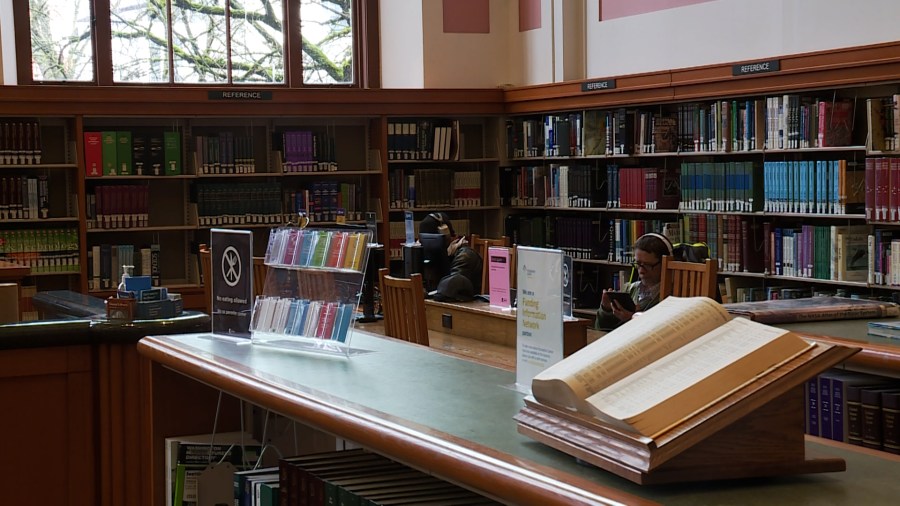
(648,252)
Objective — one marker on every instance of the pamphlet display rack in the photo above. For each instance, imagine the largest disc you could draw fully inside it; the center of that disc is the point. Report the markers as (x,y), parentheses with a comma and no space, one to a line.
(314,279)
(756,431)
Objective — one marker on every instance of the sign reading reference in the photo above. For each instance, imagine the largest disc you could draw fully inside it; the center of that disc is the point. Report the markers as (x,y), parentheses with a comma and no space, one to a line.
(756,68)
(239,95)
(606,84)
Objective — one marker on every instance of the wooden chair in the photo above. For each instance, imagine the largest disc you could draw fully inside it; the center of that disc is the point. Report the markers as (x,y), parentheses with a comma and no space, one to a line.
(403,304)
(688,279)
(206,272)
(259,276)
(260,269)
(481,245)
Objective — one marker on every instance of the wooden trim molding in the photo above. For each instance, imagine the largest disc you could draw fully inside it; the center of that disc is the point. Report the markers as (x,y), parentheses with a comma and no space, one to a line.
(837,68)
(166,101)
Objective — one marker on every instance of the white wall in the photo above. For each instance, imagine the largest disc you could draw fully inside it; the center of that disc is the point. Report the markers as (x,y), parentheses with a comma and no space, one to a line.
(466,60)
(402,63)
(531,51)
(733,30)
(7,44)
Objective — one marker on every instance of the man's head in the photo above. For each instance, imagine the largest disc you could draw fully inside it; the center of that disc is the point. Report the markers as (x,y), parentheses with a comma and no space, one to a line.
(437,223)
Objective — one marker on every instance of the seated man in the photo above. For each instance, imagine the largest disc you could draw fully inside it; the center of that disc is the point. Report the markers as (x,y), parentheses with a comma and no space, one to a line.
(461,279)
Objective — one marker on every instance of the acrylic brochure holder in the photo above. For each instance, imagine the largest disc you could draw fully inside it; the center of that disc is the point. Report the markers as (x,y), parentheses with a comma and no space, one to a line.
(314,279)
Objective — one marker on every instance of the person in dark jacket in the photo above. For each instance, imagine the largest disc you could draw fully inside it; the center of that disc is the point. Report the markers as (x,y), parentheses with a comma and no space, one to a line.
(463,280)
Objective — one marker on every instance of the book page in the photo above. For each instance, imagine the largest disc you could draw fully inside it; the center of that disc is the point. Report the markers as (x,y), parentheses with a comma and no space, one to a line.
(696,375)
(667,326)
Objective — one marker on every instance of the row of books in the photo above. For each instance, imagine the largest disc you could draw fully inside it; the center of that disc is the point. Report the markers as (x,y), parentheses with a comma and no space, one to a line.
(434,187)
(315,319)
(20,141)
(140,152)
(24,197)
(346,477)
(577,237)
(883,117)
(118,206)
(44,250)
(326,200)
(106,261)
(816,187)
(307,151)
(551,186)
(226,203)
(311,248)
(777,122)
(224,153)
(882,196)
(856,408)
(423,139)
(27,311)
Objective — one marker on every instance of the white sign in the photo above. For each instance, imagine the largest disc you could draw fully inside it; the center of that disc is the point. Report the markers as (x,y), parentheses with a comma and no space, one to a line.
(539,313)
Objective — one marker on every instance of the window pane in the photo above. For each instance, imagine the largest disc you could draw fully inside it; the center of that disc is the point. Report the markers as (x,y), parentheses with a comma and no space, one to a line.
(61,40)
(140,45)
(257,41)
(327,31)
(198,40)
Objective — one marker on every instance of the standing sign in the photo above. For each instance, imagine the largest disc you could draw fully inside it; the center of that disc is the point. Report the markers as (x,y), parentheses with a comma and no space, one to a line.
(231,254)
(539,318)
(568,281)
(498,276)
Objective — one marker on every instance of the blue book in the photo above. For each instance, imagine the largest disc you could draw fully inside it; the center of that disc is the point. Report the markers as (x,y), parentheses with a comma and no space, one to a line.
(299,319)
(292,315)
(342,325)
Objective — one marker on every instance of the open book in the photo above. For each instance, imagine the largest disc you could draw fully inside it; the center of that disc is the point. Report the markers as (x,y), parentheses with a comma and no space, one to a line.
(664,366)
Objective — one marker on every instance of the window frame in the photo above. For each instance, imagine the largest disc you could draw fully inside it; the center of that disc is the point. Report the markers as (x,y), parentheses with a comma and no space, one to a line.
(366,47)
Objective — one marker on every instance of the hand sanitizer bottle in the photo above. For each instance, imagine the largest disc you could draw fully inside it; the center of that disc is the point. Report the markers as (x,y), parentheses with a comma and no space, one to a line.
(127,271)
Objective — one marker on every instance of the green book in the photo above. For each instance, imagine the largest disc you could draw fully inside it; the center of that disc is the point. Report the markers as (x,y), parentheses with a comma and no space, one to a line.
(123,152)
(110,153)
(172,148)
(318,255)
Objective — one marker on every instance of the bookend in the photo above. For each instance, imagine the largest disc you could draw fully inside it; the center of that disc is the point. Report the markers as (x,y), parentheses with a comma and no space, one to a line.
(757,431)
(314,278)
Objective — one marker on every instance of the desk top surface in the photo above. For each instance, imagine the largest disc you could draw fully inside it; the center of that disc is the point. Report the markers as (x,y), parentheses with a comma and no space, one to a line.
(453,417)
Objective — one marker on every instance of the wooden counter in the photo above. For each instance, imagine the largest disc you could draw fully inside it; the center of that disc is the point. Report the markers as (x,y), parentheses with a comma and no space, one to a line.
(479,320)
(453,418)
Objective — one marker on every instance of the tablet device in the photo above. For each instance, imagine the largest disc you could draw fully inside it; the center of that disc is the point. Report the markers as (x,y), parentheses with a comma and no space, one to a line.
(624,300)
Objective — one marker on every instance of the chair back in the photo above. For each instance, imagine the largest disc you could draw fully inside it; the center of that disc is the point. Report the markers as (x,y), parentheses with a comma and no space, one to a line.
(260,269)
(688,279)
(206,273)
(403,304)
(481,245)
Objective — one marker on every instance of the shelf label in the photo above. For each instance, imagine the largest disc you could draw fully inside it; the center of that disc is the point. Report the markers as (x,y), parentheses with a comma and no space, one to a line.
(239,95)
(760,67)
(606,84)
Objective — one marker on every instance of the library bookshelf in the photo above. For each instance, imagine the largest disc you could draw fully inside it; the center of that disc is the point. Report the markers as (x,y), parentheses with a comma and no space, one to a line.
(775,172)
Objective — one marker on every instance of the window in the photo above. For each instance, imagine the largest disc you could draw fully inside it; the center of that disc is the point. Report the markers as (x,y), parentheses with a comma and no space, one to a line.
(193,41)
(61,40)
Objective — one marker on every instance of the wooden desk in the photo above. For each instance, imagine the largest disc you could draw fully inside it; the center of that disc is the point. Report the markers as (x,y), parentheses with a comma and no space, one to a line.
(11,272)
(479,320)
(453,418)
(879,355)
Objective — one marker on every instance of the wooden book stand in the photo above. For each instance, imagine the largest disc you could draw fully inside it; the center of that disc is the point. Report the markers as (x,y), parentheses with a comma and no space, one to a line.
(757,431)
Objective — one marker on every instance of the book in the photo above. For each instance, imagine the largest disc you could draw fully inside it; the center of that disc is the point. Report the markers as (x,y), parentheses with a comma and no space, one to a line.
(813,309)
(884,328)
(93,154)
(124,152)
(109,152)
(657,370)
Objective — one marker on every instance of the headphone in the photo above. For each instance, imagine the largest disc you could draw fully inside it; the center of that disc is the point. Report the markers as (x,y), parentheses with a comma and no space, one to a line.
(443,228)
(665,241)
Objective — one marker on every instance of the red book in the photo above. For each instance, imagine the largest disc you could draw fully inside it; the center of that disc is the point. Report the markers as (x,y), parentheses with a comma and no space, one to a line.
(325,325)
(835,123)
(894,196)
(870,188)
(93,154)
(337,249)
